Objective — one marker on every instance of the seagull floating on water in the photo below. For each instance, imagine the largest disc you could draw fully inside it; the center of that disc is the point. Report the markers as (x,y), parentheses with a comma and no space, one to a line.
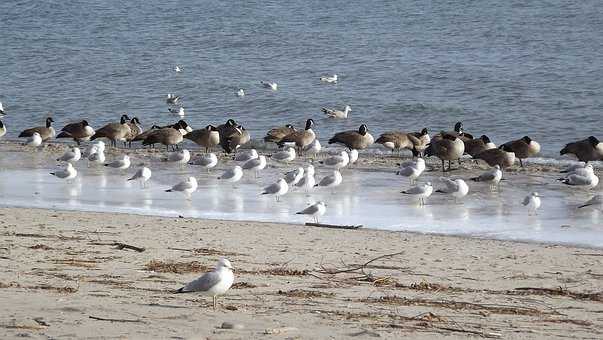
(187,187)
(333,113)
(178,69)
(172,99)
(269,85)
(214,283)
(329,79)
(143,175)
(241,93)
(315,210)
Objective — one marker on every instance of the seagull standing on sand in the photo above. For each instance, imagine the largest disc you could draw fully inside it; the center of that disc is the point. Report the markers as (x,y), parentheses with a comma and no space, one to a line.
(329,79)
(34,140)
(97,153)
(421,192)
(532,201)
(596,201)
(120,164)
(143,175)
(307,182)
(277,189)
(256,165)
(294,176)
(71,155)
(286,155)
(412,169)
(214,283)
(315,210)
(68,173)
(457,188)
(232,175)
(208,161)
(492,176)
(337,161)
(187,187)
(269,85)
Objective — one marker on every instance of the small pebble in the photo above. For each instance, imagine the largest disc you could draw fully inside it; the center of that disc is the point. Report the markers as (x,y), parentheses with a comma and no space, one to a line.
(231,325)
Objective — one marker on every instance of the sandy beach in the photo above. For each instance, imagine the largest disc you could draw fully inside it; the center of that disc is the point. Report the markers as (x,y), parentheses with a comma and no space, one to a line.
(65,276)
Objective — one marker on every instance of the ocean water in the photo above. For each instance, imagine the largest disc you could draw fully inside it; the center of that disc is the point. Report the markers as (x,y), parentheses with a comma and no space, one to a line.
(504,68)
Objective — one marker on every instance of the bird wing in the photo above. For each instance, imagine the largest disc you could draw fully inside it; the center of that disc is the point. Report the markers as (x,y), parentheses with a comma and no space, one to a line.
(204,161)
(309,210)
(203,283)
(182,186)
(577,180)
(526,200)
(451,186)
(415,190)
(487,176)
(271,189)
(252,163)
(406,171)
(228,174)
(327,181)
(137,175)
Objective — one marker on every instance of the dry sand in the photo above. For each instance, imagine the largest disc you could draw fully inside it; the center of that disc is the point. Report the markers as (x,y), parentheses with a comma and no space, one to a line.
(60,269)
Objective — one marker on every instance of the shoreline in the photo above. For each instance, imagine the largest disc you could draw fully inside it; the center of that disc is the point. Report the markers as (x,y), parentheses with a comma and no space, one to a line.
(304,282)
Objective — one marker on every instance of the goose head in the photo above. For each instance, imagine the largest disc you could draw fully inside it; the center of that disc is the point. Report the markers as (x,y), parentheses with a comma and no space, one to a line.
(485,139)
(526,139)
(309,124)
(424,132)
(49,122)
(363,129)
(458,127)
(593,141)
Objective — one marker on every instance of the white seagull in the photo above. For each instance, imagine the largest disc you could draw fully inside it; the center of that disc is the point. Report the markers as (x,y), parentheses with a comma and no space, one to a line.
(232,175)
(92,148)
(573,167)
(214,283)
(71,155)
(294,176)
(208,161)
(1,109)
(178,69)
(241,93)
(256,165)
(421,192)
(245,155)
(187,187)
(181,111)
(143,175)
(269,85)
(337,161)
(307,182)
(314,147)
(334,113)
(532,201)
(315,210)
(331,181)
(585,171)
(412,169)
(589,180)
(353,156)
(458,188)
(120,164)
(180,157)
(492,176)
(329,79)
(34,140)
(172,99)
(277,189)
(98,156)
(68,173)
(286,155)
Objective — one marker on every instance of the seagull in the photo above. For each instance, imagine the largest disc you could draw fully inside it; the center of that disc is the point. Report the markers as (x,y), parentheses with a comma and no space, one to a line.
(492,176)
(353,156)
(590,180)
(256,164)
(573,167)
(412,169)
(172,99)
(337,161)
(208,161)
(457,188)
(180,157)
(269,85)
(98,156)
(294,176)
(187,187)
(214,283)
(596,200)
(307,181)
(35,140)
(286,155)
(277,189)
(315,210)
(72,155)
(587,170)
(532,201)
(420,191)
(143,174)
(92,148)
(181,111)
(120,164)
(333,113)
(232,175)
(241,93)
(314,147)
(68,173)
(178,69)
(329,79)
(1,109)
(2,129)
(331,181)
(246,155)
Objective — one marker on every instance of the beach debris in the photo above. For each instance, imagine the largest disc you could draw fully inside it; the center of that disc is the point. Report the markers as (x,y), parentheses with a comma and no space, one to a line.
(334,226)
(280,330)
(114,320)
(231,325)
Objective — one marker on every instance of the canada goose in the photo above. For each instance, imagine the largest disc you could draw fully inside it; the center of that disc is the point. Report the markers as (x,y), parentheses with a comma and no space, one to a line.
(532,202)
(207,138)
(586,150)
(424,138)
(315,210)
(277,189)
(421,192)
(504,159)
(232,136)
(168,136)
(135,130)
(114,131)
(180,125)
(396,140)
(353,139)
(329,79)
(300,138)
(446,148)
(80,131)
(142,136)
(458,128)
(333,113)
(475,146)
(458,188)
(269,85)
(214,283)
(45,133)
(523,148)
(2,129)
(187,187)
(276,134)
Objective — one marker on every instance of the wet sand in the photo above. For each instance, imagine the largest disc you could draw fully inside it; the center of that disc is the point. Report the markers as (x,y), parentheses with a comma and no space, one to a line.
(63,274)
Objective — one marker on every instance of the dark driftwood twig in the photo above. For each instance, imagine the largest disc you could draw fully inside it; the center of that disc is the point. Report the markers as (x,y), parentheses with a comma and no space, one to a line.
(113,320)
(120,246)
(361,267)
(333,226)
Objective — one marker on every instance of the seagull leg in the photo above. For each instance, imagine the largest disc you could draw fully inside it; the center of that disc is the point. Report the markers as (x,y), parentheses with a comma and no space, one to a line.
(215,302)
